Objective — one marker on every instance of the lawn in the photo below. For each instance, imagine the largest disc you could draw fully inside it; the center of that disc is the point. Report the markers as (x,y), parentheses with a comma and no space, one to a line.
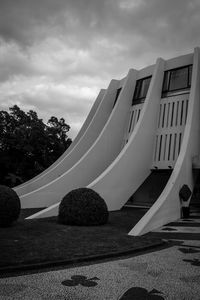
(44,241)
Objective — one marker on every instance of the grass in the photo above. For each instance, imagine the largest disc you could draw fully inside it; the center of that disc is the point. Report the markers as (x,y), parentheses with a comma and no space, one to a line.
(42,241)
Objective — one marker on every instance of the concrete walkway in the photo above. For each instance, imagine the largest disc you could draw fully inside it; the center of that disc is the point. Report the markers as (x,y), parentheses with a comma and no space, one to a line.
(170,273)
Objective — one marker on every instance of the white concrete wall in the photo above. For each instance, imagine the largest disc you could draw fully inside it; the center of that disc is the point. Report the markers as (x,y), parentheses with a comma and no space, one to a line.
(91,114)
(94,162)
(86,140)
(132,166)
(179,61)
(167,207)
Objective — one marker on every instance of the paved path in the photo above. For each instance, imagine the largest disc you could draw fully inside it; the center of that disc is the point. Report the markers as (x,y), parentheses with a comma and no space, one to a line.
(170,273)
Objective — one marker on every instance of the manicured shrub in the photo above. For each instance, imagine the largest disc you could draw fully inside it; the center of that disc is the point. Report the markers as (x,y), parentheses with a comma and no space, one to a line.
(185,193)
(9,206)
(83,206)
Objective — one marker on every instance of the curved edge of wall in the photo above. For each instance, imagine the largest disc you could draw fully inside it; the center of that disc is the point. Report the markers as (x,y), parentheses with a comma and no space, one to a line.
(90,116)
(96,160)
(91,132)
(70,148)
(167,207)
(132,165)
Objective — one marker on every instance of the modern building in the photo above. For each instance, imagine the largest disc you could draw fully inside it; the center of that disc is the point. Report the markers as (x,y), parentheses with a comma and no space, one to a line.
(140,142)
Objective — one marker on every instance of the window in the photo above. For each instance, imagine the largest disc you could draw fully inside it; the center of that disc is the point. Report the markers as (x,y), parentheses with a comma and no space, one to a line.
(117,95)
(141,89)
(177,79)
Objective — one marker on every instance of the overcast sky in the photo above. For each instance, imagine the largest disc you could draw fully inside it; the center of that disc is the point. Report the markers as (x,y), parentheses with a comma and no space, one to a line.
(55,55)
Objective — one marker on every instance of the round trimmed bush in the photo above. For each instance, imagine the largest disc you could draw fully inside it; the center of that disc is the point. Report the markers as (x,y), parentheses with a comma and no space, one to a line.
(185,193)
(83,206)
(9,206)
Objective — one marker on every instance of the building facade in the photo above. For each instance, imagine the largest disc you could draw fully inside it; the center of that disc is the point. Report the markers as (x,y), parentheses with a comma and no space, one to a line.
(147,122)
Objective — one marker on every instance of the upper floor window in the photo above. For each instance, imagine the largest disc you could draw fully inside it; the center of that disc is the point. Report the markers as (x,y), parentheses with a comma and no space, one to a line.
(177,79)
(117,95)
(141,89)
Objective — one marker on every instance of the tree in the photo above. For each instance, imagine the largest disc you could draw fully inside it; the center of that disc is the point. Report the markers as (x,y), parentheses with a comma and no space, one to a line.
(27,145)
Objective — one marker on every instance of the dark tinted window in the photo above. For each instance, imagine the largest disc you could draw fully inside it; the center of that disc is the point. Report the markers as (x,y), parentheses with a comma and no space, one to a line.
(117,95)
(141,89)
(177,79)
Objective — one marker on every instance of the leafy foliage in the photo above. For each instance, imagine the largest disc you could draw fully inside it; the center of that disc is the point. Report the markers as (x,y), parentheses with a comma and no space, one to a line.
(83,206)
(27,145)
(9,206)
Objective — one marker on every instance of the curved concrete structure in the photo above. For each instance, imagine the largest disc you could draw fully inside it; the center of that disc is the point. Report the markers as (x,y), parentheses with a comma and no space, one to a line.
(20,189)
(96,159)
(160,133)
(167,207)
(91,132)
(122,178)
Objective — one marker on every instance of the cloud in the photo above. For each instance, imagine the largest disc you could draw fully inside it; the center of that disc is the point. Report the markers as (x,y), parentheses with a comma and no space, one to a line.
(49,98)
(82,21)
(56,55)
(13,61)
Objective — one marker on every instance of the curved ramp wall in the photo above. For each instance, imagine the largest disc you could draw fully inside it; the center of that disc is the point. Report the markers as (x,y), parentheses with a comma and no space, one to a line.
(94,162)
(132,165)
(86,140)
(167,207)
(20,188)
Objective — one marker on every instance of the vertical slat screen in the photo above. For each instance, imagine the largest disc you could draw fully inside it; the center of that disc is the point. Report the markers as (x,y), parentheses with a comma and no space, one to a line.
(134,116)
(171,124)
